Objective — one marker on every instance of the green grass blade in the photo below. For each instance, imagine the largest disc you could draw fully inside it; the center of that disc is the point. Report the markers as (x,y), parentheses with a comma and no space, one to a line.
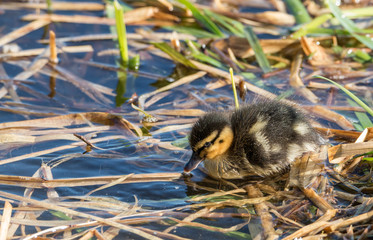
(259,54)
(121,32)
(233,26)
(299,11)
(49,6)
(349,25)
(363,117)
(315,23)
(358,12)
(205,21)
(350,94)
(176,56)
(236,103)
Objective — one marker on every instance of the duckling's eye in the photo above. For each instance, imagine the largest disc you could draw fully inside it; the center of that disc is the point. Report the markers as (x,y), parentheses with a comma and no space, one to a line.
(207,144)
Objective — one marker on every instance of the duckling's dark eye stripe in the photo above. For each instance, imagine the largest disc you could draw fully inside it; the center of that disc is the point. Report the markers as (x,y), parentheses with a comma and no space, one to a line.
(217,136)
(212,142)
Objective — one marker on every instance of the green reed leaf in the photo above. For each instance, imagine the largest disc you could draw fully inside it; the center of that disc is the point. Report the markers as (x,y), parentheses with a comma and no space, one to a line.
(175,55)
(299,11)
(350,94)
(201,18)
(121,32)
(259,54)
(349,25)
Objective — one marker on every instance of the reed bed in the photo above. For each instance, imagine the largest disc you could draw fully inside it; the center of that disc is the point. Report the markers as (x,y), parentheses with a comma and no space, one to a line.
(324,195)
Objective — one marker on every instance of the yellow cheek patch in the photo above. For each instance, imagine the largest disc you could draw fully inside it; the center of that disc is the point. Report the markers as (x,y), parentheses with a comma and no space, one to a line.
(221,145)
(209,138)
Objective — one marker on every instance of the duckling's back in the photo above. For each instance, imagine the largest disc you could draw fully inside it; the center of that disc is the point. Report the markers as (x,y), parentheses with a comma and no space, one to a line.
(268,136)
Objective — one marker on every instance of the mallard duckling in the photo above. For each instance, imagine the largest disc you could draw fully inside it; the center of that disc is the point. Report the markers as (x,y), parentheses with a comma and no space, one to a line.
(262,138)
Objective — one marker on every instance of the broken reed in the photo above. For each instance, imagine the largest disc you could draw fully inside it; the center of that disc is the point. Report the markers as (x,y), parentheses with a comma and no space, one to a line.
(121,32)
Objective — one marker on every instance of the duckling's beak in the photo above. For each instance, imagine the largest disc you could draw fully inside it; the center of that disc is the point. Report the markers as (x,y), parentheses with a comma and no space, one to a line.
(193,162)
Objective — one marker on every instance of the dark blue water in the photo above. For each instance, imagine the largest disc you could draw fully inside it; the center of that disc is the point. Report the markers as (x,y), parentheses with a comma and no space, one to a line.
(124,156)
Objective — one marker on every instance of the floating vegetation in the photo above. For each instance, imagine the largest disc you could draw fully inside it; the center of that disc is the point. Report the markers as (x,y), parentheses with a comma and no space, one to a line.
(92,149)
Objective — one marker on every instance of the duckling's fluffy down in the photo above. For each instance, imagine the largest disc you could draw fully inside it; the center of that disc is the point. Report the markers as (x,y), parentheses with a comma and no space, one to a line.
(267,137)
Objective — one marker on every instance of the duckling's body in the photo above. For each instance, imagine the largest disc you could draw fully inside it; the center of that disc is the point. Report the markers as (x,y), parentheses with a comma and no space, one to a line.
(262,138)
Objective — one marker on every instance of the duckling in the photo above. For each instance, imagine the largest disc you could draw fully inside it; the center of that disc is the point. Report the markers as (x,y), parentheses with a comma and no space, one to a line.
(261,138)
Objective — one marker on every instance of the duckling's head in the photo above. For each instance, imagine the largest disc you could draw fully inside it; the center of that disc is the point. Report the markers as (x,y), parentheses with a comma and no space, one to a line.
(210,139)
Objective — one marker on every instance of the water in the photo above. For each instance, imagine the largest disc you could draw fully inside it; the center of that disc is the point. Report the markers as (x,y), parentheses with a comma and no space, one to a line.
(123,156)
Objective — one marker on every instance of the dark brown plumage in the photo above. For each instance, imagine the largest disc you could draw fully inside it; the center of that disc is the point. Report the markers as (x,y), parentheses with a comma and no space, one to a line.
(262,138)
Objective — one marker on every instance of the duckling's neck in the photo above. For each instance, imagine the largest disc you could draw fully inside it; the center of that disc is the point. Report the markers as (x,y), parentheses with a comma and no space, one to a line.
(221,167)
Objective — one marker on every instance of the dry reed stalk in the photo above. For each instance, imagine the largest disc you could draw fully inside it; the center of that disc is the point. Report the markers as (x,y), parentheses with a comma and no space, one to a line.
(331,116)
(237,79)
(56,149)
(5,220)
(318,225)
(338,152)
(88,235)
(57,6)
(156,98)
(69,120)
(297,83)
(218,194)
(191,218)
(342,168)
(317,200)
(181,81)
(98,235)
(111,233)
(215,71)
(171,128)
(79,214)
(27,112)
(317,85)
(113,183)
(262,210)
(166,4)
(137,15)
(45,133)
(50,223)
(340,223)
(347,108)
(285,219)
(270,17)
(61,228)
(179,112)
(350,135)
(19,32)
(140,14)
(38,51)
(132,36)
(212,228)
(52,47)
(24,215)
(89,181)
(351,197)
(69,19)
